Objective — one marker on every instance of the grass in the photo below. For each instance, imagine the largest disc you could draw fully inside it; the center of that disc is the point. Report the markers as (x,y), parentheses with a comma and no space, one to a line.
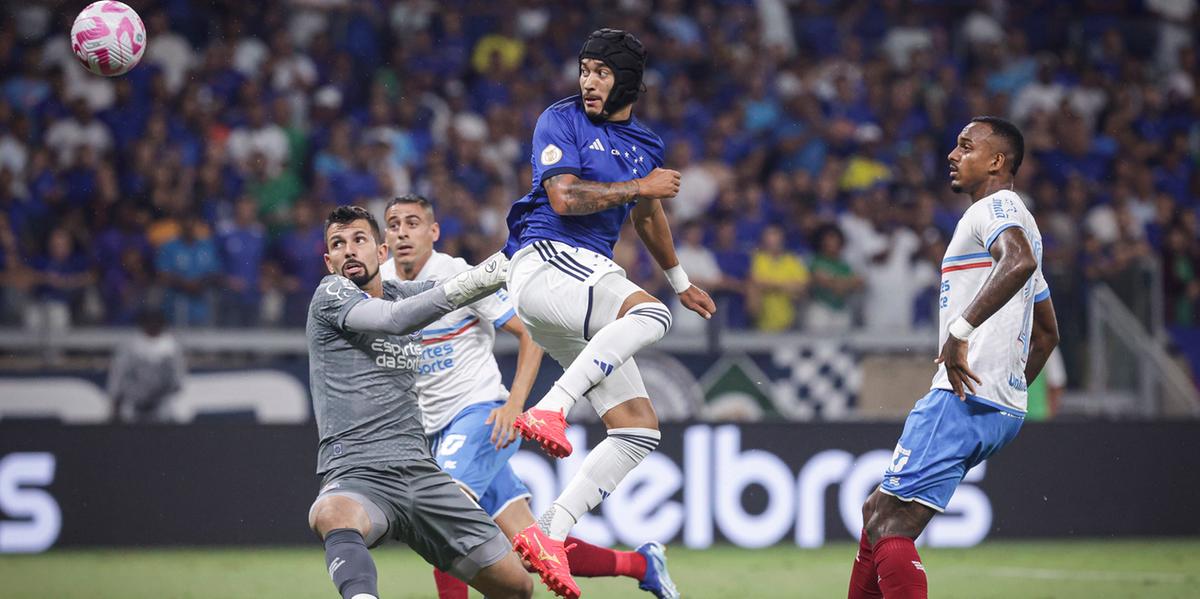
(1040,569)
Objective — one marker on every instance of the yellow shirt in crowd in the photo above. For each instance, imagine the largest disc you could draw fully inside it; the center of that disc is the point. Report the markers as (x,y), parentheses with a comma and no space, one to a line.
(778,308)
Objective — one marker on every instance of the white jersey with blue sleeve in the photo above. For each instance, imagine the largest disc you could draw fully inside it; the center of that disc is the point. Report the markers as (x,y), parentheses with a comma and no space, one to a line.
(999,348)
(457,366)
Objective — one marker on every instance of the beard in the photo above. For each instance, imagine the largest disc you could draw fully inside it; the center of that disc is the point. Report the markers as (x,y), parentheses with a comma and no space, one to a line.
(956,187)
(361,279)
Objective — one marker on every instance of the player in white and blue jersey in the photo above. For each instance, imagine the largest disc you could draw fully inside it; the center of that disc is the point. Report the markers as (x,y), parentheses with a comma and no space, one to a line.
(467,411)
(594,166)
(997,327)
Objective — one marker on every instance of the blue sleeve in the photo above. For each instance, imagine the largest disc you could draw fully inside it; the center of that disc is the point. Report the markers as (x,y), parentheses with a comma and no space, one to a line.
(504,318)
(554,148)
(658,155)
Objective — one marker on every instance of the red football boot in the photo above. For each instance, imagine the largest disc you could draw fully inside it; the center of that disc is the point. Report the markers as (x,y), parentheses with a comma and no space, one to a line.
(548,428)
(549,559)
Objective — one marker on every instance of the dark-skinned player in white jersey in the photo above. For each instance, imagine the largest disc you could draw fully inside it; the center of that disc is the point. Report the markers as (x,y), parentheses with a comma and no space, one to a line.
(998,328)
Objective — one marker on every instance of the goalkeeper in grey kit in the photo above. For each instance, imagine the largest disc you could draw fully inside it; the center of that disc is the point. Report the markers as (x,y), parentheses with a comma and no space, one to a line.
(379,479)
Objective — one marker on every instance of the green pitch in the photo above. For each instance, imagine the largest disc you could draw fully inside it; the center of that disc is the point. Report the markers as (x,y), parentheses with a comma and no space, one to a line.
(1158,568)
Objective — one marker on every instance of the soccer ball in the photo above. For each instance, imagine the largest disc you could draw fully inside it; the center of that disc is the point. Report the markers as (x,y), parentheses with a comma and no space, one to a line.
(108,38)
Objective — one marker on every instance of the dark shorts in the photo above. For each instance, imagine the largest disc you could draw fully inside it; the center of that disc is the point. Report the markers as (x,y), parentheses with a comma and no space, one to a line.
(425,509)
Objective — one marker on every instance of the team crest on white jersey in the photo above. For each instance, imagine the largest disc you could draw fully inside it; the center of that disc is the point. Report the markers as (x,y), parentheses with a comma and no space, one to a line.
(551,155)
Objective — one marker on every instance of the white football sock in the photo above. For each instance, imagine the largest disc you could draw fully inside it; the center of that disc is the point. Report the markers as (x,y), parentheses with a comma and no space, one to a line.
(612,345)
(601,471)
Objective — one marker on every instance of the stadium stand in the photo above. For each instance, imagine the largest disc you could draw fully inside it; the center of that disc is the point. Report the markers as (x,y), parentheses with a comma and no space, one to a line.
(197,181)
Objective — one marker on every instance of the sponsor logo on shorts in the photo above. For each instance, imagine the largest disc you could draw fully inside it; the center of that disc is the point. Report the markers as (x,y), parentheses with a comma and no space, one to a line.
(338,449)
(899,458)
(450,444)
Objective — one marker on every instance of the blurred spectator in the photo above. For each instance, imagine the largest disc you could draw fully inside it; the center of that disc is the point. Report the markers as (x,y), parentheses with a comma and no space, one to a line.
(243,246)
(833,283)
(300,265)
(699,184)
(146,371)
(189,268)
(500,48)
(13,279)
(81,130)
(62,275)
(734,264)
(274,193)
(170,50)
(780,280)
(1181,277)
(702,269)
(894,278)
(259,139)
(120,252)
(801,115)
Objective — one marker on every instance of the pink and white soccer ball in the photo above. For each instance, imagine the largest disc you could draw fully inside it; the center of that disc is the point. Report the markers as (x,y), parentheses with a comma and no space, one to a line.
(108,38)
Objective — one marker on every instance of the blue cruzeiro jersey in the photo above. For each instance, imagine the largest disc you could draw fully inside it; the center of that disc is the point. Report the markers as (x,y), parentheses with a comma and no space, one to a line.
(566,141)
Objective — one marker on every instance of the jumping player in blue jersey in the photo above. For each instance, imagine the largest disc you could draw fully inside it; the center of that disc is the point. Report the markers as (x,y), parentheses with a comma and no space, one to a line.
(594,166)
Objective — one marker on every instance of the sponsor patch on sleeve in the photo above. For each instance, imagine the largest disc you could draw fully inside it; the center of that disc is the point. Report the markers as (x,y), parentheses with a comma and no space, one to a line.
(551,154)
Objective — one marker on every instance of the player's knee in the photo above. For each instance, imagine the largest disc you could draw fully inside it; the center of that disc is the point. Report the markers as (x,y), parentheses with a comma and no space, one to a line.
(523,587)
(868,507)
(634,413)
(889,523)
(655,315)
(509,583)
(332,513)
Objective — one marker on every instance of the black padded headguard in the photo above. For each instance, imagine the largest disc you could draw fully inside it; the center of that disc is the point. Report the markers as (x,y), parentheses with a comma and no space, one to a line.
(626,56)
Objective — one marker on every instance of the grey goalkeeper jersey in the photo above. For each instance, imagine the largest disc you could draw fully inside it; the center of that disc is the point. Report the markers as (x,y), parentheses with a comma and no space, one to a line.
(363,384)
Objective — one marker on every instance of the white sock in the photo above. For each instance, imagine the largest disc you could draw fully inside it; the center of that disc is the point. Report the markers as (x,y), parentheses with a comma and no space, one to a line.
(601,471)
(613,344)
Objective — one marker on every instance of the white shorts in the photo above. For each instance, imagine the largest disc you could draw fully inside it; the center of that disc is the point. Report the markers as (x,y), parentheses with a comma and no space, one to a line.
(564,295)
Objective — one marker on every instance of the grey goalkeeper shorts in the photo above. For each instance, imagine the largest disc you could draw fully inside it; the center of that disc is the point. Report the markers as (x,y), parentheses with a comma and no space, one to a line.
(416,503)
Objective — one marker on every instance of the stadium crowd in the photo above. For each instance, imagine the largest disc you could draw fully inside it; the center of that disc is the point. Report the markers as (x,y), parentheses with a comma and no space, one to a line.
(811,136)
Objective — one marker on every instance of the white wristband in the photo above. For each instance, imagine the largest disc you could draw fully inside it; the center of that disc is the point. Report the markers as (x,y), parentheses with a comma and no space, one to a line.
(677,278)
(960,328)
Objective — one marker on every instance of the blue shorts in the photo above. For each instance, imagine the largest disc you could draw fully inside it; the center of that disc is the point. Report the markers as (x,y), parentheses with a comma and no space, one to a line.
(943,438)
(465,451)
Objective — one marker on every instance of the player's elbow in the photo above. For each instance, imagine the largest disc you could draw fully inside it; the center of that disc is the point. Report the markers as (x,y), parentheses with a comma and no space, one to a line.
(559,205)
(1046,334)
(1051,337)
(558,192)
(1026,266)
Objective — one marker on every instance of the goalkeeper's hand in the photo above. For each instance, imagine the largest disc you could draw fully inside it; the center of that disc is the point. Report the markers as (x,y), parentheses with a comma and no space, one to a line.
(477,282)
